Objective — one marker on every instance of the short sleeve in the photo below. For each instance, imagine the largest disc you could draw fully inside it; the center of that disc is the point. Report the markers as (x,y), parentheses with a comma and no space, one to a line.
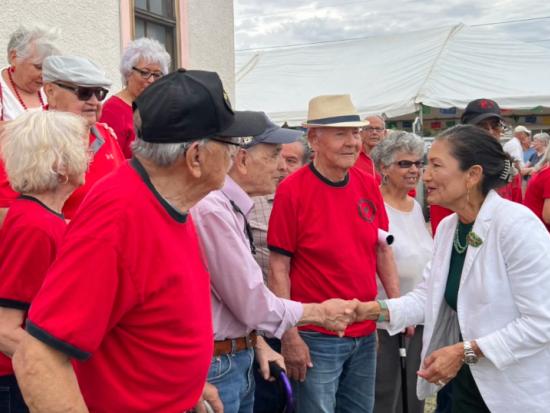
(31,252)
(7,194)
(86,291)
(283,222)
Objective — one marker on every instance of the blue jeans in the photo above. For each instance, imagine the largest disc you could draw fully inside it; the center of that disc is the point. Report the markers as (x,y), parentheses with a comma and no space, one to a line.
(11,400)
(342,377)
(232,376)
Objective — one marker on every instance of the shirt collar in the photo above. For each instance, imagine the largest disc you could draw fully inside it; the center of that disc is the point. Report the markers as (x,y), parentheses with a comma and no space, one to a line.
(234,192)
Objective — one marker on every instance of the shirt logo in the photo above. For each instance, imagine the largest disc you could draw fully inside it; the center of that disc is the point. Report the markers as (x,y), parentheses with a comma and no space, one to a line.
(367,210)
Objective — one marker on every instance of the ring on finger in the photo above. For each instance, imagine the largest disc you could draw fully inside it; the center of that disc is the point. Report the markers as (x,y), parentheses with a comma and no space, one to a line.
(441,383)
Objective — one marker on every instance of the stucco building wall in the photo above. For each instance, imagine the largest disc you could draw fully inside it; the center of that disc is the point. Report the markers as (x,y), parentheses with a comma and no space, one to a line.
(92,28)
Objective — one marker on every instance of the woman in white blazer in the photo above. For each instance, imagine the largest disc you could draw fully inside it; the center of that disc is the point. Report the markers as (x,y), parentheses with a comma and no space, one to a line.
(485,297)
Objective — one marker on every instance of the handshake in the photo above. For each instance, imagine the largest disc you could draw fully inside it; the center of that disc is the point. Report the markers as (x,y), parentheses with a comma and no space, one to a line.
(336,314)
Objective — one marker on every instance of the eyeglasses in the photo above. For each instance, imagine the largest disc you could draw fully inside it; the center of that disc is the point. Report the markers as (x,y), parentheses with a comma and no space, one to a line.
(408,164)
(371,129)
(230,141)
(85,93)
(146,74)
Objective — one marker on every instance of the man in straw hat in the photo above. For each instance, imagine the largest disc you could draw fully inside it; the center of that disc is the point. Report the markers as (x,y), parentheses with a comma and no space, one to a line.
(127,301)
(323,241)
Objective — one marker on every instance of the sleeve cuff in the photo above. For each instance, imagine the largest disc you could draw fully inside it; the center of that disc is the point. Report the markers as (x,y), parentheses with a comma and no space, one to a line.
(280,251)
(15,304)
(495,349)
(56,343)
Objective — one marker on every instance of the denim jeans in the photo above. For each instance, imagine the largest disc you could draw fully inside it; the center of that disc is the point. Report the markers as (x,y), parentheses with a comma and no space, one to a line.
(268,397)
(342,377)
(232,376)
(11,400)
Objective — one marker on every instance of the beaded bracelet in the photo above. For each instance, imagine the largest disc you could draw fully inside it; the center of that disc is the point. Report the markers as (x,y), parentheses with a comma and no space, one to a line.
(383,307)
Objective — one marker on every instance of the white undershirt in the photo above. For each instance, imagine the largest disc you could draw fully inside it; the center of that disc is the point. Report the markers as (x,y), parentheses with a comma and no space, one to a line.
(10,103)
(412,248)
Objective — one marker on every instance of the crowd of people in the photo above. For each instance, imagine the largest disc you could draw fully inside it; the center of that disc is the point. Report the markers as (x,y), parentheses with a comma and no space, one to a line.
(161,252)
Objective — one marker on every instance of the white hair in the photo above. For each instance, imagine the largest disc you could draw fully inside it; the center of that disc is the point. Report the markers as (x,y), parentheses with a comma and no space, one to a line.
(148,50)
(161,154)
(40,146)
(384,153)
(38,39)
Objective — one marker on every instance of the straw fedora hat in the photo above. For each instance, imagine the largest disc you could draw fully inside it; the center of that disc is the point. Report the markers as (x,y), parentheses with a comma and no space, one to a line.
(333,111)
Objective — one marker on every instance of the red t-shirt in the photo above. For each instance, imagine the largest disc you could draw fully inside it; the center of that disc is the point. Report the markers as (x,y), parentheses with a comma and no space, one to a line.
(538,191)
(366,164)
(7,194)
(118,115)
(437,213)
(512,191)
(330,230)
(28,243)
(130,294)
(108,158)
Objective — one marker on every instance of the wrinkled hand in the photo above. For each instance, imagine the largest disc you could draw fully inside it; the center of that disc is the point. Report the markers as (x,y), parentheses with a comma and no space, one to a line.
(442,365)
(211,396)
(265,354)
(296,355)
(338,314)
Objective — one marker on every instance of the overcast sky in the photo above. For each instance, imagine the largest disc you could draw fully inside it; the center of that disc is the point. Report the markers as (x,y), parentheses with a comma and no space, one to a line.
(269,23)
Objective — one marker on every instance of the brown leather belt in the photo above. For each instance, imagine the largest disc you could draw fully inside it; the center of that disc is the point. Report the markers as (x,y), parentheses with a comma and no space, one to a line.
(234,345)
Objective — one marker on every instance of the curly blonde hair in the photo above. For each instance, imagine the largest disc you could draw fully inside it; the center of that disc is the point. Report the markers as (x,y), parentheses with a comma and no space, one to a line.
(39,147)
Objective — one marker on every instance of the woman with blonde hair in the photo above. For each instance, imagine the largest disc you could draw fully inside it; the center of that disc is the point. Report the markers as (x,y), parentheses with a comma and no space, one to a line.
(45,154)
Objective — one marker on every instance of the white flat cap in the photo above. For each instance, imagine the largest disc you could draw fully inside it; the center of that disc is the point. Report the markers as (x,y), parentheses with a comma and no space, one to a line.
(75,70)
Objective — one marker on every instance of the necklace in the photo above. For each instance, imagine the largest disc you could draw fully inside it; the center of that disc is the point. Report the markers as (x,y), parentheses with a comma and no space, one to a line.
(19,98)
(457,245)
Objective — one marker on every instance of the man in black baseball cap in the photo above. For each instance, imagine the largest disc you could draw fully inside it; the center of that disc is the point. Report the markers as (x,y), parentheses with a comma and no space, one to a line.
(486,114)
(131,272)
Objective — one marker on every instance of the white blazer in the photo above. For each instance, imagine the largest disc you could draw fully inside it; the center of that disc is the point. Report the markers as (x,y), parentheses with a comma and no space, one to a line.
(503,304)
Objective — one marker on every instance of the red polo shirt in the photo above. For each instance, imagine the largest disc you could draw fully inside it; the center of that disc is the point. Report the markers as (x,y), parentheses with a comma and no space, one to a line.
(330,231)
(129,298)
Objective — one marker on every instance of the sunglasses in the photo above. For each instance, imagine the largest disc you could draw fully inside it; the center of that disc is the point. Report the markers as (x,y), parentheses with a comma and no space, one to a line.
(85,93)
(408,164)
(146,74)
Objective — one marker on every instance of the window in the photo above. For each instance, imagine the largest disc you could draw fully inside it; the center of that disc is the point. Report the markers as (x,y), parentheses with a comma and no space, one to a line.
(156,19)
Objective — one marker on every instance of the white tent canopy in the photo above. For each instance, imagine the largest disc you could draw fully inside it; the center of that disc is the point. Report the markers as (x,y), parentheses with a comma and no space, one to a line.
(395,74)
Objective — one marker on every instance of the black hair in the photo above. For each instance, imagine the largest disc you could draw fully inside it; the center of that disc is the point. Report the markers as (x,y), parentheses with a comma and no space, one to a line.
(472,145)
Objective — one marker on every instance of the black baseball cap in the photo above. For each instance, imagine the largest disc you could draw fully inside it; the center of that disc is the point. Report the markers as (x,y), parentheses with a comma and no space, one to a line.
(480,109)
(273,134)
(189,105)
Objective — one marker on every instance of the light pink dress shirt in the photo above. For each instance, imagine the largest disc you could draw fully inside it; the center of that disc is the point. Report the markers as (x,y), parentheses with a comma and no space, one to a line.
(241,302)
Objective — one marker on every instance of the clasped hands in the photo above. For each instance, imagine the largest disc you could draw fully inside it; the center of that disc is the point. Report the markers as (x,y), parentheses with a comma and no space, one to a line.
(339,313)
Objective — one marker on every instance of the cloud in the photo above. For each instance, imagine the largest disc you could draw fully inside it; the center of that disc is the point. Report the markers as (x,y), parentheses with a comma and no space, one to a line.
(286,22)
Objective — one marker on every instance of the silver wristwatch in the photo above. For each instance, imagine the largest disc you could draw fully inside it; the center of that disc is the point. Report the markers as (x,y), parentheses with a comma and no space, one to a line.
(470,357)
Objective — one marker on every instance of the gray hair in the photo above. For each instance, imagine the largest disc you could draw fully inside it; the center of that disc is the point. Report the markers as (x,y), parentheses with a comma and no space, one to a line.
(543,137)
(545,160)
(379,117)
(307,149)
(161,154)
(149,50)
(384,153)
(23,40)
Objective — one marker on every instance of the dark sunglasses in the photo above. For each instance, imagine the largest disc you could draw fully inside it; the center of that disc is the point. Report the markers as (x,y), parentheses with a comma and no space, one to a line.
(146,74)
(408,164)
(85,93)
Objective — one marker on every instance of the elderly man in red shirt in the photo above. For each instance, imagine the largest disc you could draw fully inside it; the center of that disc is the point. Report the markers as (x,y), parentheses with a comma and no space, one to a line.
(323,237)
(126,304)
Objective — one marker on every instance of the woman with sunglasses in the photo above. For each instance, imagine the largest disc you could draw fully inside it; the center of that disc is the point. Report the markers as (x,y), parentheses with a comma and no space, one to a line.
(45,157)
(75,84)
(144,61)
(399,160)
